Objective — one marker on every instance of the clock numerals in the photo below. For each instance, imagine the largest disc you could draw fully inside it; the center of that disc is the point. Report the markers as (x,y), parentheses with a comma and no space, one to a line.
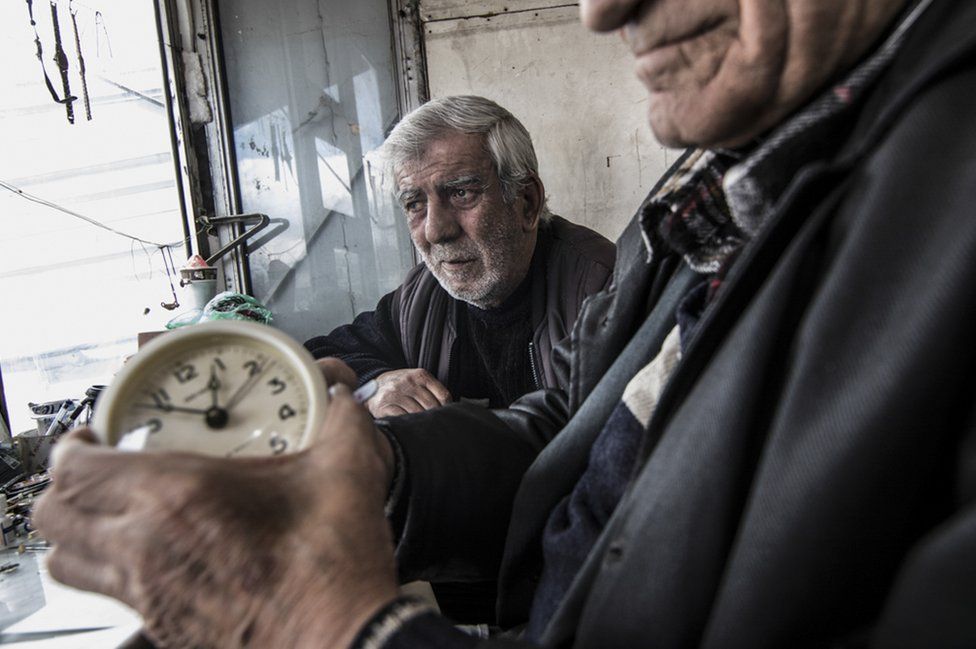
(161,398)
(278,444)
(286,412)
(186,373)
(218,388)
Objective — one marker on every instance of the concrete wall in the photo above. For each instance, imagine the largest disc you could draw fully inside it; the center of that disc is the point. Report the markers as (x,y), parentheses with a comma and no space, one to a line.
(575,91)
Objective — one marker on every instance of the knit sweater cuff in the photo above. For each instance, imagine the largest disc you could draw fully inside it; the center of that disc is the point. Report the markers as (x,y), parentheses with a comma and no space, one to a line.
(408,623)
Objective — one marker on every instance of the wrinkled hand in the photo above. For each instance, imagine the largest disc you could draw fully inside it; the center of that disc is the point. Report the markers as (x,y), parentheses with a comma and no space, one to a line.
(290,551)
(404,391)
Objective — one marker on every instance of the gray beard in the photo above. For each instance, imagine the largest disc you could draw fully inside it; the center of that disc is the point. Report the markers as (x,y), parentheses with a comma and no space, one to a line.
(489,289)
(497,257)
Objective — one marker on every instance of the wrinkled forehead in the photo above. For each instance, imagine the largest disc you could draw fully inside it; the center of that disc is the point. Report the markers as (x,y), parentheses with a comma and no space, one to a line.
(443,159)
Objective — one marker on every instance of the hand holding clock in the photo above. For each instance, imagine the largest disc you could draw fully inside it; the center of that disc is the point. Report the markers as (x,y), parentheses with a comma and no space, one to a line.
(142,527)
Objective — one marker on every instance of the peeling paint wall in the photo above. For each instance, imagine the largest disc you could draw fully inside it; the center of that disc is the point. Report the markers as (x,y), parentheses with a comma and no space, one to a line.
(575,91)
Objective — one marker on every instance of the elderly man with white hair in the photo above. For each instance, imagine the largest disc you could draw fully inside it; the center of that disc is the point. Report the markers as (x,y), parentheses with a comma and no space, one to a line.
(502,278)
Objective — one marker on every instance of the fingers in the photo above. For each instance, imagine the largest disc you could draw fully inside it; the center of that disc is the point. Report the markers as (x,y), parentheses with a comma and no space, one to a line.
(606,15)
(95,479)
(345,418)
(78,568)
(380,409)
(65,520)
(344,412)
(420,385)
(438,390)
(335,371)
(407,391)
(387,403)
(78,436)
(85,514)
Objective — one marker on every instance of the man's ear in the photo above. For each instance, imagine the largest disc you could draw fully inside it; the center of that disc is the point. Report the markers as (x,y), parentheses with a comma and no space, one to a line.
(533,197)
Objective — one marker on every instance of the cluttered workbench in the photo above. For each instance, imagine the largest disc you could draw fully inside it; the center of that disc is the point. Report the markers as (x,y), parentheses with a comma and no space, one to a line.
(36,612)
(39,613)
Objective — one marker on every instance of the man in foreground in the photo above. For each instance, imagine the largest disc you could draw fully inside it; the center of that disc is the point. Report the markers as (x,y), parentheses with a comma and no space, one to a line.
(502,279)
(768,434)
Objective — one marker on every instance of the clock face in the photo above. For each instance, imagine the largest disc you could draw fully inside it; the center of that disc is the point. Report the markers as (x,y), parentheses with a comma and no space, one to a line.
(225,388)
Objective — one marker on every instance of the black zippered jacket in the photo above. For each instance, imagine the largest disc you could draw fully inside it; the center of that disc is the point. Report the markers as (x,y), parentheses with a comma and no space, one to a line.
(416,325)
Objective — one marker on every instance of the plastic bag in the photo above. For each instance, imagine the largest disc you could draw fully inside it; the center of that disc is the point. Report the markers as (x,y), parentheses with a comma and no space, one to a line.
(236,306)
(225,306)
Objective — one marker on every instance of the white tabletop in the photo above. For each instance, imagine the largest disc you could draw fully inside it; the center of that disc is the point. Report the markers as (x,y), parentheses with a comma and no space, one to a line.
(38,613)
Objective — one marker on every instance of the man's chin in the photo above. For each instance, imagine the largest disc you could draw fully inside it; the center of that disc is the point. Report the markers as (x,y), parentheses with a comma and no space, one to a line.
(464,292)
(678,124)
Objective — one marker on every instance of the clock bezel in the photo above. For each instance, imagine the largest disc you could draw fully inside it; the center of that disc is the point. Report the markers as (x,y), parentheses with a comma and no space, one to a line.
(162,349)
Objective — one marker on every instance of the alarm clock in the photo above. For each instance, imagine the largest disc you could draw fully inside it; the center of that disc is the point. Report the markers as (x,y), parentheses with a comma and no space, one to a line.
(227,388)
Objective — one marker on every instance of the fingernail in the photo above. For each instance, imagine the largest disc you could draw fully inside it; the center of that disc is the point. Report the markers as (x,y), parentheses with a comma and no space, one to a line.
(337,389)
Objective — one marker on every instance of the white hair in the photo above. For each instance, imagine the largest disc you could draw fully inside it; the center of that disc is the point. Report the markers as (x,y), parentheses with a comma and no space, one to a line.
(506,139)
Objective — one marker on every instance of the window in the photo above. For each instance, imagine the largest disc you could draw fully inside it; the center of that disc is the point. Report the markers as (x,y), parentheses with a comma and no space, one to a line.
(312,94)
(74,294)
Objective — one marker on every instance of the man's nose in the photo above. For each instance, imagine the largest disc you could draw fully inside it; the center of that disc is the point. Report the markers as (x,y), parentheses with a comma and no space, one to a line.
(441,223)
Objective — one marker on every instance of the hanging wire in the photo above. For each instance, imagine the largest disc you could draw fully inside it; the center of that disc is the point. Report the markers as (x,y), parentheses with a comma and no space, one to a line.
(83,5)
(132,259)
(20,192)
(100,22)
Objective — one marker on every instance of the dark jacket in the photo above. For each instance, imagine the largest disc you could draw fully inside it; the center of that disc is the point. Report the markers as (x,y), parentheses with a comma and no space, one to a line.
(416,325)
(809,475)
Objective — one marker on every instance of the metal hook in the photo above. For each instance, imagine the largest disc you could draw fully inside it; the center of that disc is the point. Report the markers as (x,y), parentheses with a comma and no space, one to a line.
(170,271)
(212,222)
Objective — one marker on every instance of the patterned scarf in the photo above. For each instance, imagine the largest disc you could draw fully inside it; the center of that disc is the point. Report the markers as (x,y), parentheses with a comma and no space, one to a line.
(717,200)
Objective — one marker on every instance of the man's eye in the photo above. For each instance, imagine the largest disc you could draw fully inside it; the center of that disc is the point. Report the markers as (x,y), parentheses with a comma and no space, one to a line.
(462,196)
(413,207)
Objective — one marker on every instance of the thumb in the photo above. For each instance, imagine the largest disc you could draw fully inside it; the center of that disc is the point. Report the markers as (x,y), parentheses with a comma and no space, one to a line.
(349,441)
(75,439)
(335,372)
(345,411)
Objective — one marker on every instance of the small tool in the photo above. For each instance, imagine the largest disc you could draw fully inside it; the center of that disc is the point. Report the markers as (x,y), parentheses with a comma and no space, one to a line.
(365,392)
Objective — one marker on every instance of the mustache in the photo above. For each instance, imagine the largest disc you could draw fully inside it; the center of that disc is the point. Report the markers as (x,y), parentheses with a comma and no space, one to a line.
(452,251)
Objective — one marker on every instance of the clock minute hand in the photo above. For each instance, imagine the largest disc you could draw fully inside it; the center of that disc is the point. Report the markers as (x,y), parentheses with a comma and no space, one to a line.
(247,385)
(212,386)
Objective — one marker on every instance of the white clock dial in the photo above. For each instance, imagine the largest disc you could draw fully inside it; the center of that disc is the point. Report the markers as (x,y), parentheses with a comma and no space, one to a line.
(227,388)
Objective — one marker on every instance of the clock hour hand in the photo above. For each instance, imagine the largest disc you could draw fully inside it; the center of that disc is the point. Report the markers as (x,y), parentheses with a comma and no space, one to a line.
(166,407)
(194,395)
(213,385)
